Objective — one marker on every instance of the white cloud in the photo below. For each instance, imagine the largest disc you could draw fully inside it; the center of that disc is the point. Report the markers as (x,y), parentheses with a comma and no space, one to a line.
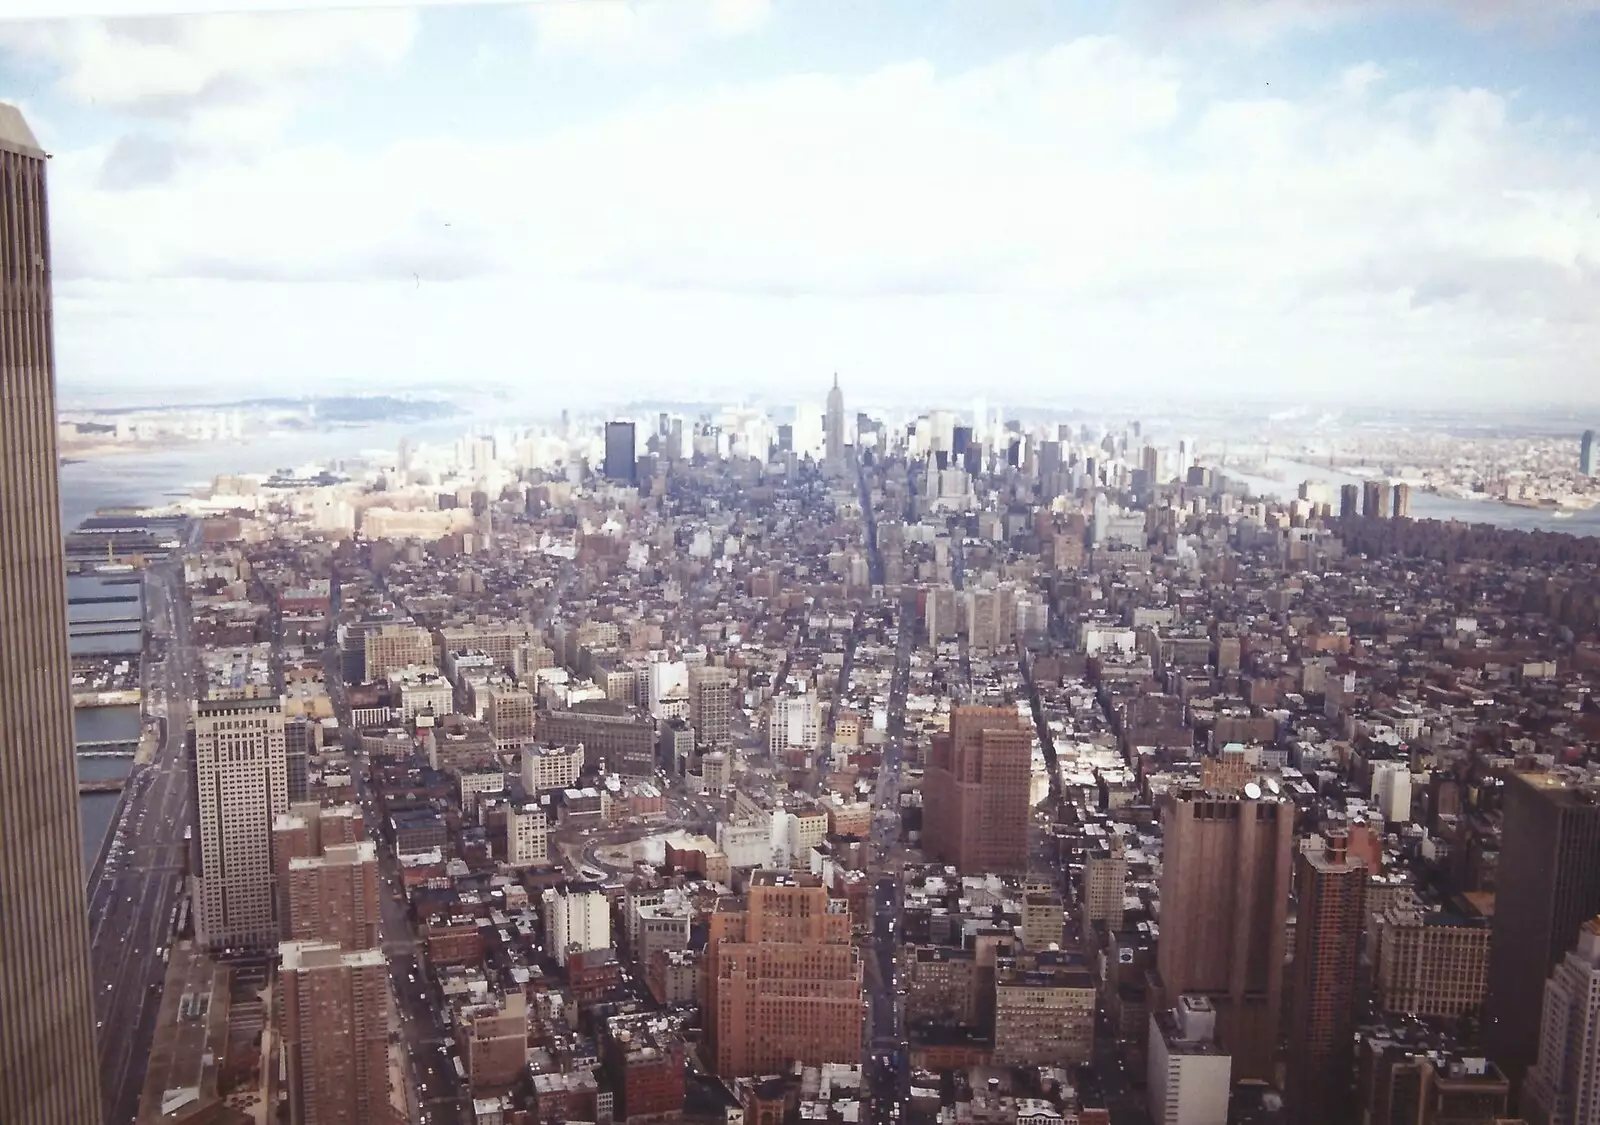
(1263,20)
(631,29)
(1070,212)
(167,63)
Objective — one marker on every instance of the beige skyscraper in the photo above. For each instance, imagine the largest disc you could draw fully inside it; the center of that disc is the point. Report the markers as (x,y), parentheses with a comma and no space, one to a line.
(241,786)
(47,1050)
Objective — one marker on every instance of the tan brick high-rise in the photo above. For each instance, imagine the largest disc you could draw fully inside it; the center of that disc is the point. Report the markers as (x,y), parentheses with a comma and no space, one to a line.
(335,1028)
(47,1051)
(783,982)
(1330,888)
(975,797)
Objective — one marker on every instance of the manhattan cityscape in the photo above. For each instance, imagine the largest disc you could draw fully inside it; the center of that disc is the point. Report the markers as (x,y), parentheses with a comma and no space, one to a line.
(532,738)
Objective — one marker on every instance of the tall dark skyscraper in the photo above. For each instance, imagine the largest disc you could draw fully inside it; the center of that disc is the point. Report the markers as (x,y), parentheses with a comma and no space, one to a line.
(1349,501)
(1588,455)
(620,448)
(1402,501)
(1547,887)
(48,1073)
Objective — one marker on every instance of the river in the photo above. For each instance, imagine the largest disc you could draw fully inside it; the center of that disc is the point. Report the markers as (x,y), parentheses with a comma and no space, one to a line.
(146,479)
(1424,505)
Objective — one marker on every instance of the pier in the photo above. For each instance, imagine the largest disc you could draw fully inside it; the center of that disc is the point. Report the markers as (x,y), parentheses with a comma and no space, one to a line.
(109,748)
(104,785)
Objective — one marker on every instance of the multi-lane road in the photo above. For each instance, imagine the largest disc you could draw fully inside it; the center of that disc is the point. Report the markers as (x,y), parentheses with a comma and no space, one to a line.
(135,889)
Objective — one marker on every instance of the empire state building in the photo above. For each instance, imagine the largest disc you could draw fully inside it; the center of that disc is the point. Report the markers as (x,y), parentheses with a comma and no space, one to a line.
(833,433)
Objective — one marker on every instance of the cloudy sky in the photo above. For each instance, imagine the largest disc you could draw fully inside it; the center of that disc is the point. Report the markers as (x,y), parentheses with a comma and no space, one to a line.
(1036,200)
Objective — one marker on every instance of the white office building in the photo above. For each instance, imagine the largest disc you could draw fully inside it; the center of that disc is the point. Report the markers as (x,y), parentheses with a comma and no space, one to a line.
(242,784)
(1563,1088)
(551,767)
(1188,1074)
(575,922)
(527,836)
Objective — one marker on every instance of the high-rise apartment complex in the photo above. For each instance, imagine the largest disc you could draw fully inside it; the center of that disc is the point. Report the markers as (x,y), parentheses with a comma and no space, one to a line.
(976,793)
(1548,885)
(1402,501)
(620,465)
(1588,455)
(1224,909)
(335,1026)
(334,896)
(331,985)
(1375,501)
(1349,501)
(783,981)
(1564,1085)
(241,784)
(47,1050)
(1330,888)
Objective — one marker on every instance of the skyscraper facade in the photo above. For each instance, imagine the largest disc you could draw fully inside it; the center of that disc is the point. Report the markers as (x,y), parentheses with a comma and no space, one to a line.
(976,792)
(783,981)
(335,1028)
(1330,888)
(1564,1085)
(1588,455)
(241,785)
(1547,886)
(47,1050)
(1225,880)
(333,896)
(621,450)
(833,426)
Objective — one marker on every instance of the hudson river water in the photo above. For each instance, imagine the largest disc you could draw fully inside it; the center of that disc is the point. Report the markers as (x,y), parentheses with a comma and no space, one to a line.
(149,479)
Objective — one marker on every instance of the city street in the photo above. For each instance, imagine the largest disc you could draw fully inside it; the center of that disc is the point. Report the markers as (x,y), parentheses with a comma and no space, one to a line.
(425,1044)
(135,889)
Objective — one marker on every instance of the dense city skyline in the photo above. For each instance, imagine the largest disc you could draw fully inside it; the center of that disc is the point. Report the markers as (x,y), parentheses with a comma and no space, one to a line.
(1389,202)
(656,562)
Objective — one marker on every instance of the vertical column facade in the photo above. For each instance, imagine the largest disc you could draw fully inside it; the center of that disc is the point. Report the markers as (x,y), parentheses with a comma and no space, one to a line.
(47,1051)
